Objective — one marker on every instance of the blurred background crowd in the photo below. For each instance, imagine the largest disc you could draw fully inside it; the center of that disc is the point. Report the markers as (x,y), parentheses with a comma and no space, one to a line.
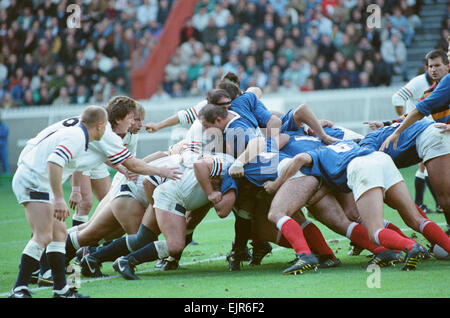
(278,45)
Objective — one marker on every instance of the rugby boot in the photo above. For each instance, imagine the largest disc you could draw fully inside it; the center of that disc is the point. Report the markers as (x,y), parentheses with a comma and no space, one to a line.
(355,250)
(90,266)
(259,251)
(387,258)
(413,256)
(169,264)
(20,292)
(70,293)
(125,267)
(328,261)
(303,262)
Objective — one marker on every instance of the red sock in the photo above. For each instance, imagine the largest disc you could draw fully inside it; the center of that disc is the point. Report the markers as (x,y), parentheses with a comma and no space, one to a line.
(435,235)
(392,240)
(395,228)
(293,232)
(315,240)
(421,212)
(360,237)
(283,242)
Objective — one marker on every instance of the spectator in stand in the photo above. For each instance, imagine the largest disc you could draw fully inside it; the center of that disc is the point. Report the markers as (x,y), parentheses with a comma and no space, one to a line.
(63,98)
(393,52)
(148,11)
(200,20)
(190,31)
(81,96)
(347,48)
(309,50)
(382,71)
(44,97)
(326,47)
(401,24)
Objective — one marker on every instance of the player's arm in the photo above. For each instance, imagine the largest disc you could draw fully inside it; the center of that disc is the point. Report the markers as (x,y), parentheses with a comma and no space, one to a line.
(225,205)
(300,160)
(170,121)
(75,197)
(61,211)
(139,166)
(412,117)
(254,147)
(205,169)
(304,114)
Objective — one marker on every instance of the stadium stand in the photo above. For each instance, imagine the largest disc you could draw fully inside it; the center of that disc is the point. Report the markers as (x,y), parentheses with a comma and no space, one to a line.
(279,45)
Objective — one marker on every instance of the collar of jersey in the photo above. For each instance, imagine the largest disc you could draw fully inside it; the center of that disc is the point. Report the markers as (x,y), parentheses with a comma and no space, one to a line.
(86,135)
(237,116)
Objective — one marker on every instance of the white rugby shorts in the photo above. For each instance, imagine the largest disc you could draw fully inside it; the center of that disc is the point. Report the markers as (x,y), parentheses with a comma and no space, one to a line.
(128,188)
(99,172)
(28,186)
(181,195)
(371,171)
(282,165)
(431,143)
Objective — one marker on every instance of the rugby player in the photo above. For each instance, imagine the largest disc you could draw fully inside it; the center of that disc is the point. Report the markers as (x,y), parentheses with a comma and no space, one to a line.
(37,185)
(373,178)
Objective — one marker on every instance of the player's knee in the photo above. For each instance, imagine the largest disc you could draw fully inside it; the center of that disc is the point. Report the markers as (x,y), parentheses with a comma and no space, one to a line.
(85,206)
(43,239)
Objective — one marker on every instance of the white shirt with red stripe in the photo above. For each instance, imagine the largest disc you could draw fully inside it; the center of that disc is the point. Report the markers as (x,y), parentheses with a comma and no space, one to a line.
(409,94)
(63,147)
(110,147)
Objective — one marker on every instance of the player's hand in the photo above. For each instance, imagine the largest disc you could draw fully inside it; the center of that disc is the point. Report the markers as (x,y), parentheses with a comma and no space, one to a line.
(75,197)
(374,125)
(152,127)
(215,197)
(132,176)
(270,187)
(392,138)
(445,128)
(60,210)
(170,173)
(326,123)
(236,170)
(328,140)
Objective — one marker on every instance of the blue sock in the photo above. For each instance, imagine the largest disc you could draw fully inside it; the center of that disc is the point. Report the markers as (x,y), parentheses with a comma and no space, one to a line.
(112,251)
(147,253)
(27,266)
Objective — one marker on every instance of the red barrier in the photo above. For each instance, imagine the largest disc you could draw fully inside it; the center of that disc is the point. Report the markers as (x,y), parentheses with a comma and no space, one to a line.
(145,81)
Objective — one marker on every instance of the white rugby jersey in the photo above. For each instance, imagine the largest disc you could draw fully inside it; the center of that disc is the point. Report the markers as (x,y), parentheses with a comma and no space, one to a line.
(409,94)
(131,141)
(186,117)
(63,147)
(110,147)
(188,189)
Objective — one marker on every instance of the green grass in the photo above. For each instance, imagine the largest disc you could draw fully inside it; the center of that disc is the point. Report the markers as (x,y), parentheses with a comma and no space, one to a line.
(203,272)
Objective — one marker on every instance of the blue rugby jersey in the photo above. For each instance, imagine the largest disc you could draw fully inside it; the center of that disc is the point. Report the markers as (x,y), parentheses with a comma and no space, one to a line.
(330,163)
(406,154)
(437,103)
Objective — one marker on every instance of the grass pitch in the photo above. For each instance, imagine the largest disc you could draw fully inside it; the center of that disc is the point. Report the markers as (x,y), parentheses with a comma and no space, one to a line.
(203,269)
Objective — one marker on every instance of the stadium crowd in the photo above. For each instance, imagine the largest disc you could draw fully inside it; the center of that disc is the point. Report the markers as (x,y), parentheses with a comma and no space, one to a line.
(277,45)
